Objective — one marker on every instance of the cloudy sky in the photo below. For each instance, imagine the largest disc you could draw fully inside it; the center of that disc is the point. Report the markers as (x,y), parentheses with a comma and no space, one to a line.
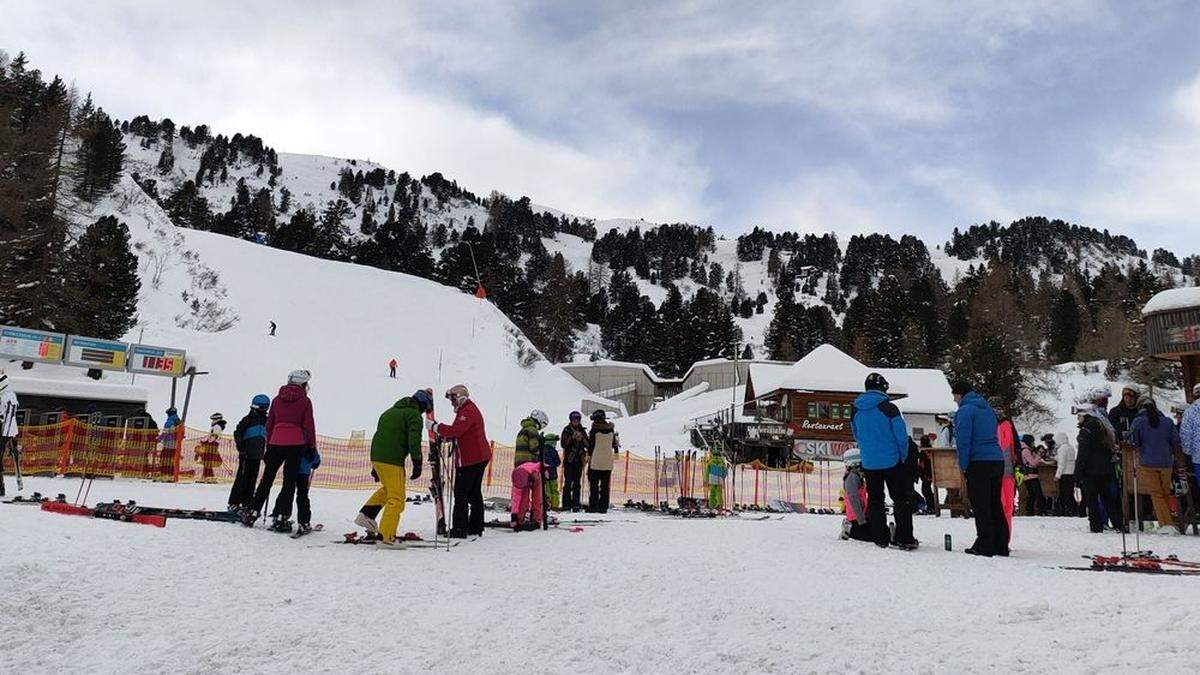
(846,116)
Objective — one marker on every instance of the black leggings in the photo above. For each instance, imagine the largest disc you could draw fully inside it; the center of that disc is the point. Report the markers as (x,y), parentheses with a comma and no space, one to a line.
(287,456)
(303,507)
(899,487)
(598,486)
(242,492)
(468,498)
(572,480)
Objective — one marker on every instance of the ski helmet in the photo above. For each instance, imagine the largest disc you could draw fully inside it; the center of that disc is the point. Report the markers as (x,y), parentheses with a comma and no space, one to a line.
(172,411)
(1146,402)
(540,418)
(598,416)
(876,382)
(216,416)
(423,400)
(1099,394)
(961,388)
(299,377)
(852,458)
(261,401)
(576,415)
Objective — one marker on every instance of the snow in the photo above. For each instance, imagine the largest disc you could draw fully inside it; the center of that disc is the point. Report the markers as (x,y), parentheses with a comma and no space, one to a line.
(71,383)
(341,321)
(668,424)
(687,596)
(928,390)
(1172,299)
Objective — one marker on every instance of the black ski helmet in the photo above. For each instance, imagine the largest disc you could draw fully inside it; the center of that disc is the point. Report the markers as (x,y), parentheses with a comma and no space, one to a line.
(598,416)
(877,382)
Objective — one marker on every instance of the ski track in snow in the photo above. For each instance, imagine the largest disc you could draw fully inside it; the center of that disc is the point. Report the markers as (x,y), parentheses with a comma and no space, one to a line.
(653,595)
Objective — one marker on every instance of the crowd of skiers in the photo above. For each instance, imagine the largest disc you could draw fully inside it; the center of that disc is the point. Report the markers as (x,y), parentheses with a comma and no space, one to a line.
(998,463)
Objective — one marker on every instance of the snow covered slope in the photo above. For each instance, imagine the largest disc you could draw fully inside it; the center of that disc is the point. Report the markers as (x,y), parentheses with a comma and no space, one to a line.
(343,322)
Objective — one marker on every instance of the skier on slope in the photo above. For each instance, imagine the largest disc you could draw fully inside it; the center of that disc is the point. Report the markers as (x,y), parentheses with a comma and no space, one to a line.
(574,440)
(8,430)
(250,439)
(392,368)
(604,444)
(397,438)
(854,491)
(291,431)
(982,463)
(473,454)
(882,439)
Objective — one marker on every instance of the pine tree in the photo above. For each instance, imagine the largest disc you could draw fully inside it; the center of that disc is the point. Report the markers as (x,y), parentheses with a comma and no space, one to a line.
(1066,326)
(558,315)
(166,159)
(100,157)
(102,281)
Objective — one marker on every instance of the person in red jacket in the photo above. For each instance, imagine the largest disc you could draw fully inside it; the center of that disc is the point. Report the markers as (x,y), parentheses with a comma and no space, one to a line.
(474,453)
(291,433)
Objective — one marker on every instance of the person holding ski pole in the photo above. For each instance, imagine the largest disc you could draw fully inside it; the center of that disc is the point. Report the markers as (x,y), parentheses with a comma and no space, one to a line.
(397,438)
(574,441)
(473,454)
(250,439)
(982,464)
(291,431)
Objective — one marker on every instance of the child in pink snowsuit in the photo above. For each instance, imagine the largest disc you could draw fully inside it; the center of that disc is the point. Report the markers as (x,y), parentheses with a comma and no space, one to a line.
(526,493)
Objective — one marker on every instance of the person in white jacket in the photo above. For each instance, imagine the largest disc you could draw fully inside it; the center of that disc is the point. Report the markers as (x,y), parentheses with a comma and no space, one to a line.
(8,430)
(1064,451)
(1189,433)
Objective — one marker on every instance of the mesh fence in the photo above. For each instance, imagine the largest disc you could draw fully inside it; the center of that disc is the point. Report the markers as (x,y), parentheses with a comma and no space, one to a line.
(75,447)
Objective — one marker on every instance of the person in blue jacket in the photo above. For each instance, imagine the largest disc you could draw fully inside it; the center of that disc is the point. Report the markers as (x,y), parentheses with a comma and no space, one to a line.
(310,460)
(250,439)
(882,439)
(982,464)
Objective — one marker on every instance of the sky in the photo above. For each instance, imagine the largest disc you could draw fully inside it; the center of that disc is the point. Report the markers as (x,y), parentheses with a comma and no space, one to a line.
(854,117)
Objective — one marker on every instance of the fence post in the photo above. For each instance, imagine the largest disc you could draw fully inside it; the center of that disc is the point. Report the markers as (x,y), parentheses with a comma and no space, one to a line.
(756,486)
(178,431)
(625,490)
(492,445)
(64,454)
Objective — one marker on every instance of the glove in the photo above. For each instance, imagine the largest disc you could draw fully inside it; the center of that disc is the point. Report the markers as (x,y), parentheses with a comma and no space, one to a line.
(430,424)
(416,470)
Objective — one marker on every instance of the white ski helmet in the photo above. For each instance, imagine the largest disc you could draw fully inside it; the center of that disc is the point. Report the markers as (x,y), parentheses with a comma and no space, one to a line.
(299,377)
(540,417)
(852,458)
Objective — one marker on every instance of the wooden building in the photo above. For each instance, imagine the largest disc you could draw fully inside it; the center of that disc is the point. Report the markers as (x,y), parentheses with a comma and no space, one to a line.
(1173,331)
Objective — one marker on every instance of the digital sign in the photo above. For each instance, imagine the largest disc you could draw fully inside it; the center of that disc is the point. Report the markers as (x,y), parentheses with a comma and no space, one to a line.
(31,345)
(96,353)
(156,360)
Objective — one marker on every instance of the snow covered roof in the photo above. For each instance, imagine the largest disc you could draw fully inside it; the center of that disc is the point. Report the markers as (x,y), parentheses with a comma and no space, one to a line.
(928,389)
(1172,299)
(82,389)
(616,364)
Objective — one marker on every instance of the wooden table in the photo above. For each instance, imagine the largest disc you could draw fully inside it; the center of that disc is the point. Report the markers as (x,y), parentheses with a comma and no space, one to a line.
(946,475)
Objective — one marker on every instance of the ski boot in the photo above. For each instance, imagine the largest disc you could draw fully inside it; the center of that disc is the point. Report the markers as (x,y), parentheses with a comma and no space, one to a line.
(248,517)
(281,524)
(366,522)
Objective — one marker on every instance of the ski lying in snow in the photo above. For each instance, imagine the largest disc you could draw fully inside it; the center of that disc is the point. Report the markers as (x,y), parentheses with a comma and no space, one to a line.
(183,514)
(300,533)
(410,539)
(72,510)
(1139,563)
(35,498)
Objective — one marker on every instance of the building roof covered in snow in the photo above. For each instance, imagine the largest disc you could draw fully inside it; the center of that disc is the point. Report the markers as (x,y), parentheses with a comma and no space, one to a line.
(1173,299)
(825,368)
(78,389)
(928,390)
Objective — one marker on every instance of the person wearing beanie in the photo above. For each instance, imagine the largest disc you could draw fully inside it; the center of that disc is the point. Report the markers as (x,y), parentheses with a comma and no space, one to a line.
(855,499)
(1156,439)
(982,464)
(883,442)
(574,443)
(1034,503)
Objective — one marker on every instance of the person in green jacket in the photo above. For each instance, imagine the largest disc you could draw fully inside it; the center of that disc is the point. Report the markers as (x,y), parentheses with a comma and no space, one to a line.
(397,437)
(528,447)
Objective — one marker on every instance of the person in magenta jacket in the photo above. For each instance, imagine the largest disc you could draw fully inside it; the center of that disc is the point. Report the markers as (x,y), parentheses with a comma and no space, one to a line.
(291,433)
(472,457)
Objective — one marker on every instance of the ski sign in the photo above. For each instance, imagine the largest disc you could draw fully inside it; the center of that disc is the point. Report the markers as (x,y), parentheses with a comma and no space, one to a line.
(156,360)
(31,345)
(96,353)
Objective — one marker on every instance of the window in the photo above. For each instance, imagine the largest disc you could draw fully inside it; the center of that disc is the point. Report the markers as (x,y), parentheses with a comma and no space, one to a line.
(811,413)
(823,410)
(847,411)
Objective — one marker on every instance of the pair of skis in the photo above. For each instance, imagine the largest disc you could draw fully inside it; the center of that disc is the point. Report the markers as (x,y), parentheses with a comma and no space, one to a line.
(410,539)
(1141,563)
(106,512)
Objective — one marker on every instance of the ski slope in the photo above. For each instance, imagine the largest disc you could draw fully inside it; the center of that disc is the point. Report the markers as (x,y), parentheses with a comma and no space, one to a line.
(341,321)
(637,594)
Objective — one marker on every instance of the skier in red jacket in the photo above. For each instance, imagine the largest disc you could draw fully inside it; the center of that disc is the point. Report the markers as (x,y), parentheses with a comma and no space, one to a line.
(474,453)
(291,433)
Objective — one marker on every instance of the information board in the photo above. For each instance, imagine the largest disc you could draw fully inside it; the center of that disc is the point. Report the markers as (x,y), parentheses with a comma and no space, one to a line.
(156,360)
(31,345)
(96,353)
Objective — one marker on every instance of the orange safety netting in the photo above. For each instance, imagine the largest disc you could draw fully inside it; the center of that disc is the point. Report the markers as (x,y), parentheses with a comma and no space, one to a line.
(74,447)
